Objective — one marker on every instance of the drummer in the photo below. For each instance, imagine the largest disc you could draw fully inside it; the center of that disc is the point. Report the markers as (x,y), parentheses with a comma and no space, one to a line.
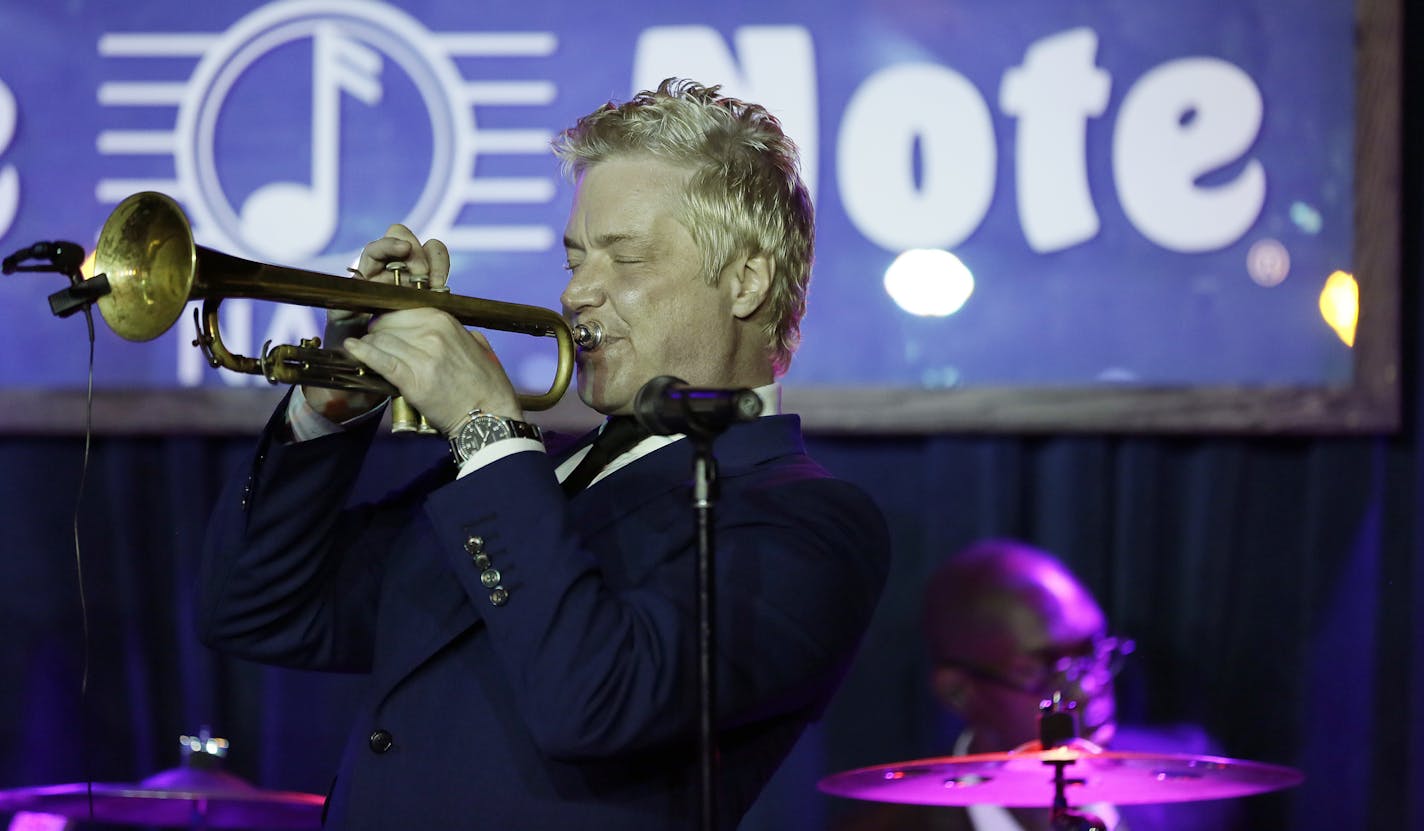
(1006,626)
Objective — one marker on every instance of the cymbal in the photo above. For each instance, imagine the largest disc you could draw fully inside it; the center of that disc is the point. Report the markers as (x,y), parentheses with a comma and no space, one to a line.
(183,797)
(1024,778)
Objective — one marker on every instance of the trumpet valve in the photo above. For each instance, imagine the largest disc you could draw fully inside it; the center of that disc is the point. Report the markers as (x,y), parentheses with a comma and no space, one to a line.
(401,272)
(588,336)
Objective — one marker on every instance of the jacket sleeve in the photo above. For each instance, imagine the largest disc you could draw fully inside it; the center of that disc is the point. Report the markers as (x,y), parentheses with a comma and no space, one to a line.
(289,575)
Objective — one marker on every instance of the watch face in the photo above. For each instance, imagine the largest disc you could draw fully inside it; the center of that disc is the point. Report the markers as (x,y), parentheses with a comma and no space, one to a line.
(482,430)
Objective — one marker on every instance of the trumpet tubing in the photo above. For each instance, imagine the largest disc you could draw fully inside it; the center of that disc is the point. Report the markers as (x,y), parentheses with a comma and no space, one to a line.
(154,268)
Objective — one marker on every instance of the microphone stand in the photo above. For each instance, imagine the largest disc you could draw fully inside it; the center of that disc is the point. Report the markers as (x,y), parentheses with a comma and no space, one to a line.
(666,405)
(704,499)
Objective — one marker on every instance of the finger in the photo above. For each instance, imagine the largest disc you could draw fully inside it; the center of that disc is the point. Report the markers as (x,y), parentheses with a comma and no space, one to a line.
(401,232)
(437,256)
(421,336)
(343,323)
(417,335)
(377,253)
(479,338)
(381,356)
(414,264)
(412,321)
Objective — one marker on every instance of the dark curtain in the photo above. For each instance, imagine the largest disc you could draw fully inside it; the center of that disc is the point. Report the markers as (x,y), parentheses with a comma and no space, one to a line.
(1272,585)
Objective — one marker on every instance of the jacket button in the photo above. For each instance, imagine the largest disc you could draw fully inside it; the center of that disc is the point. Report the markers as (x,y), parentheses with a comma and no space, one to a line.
(474,544)
(499,596)
(381,741)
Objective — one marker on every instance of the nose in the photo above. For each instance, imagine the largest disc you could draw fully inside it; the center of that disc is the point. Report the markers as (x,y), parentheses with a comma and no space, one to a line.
(583,291)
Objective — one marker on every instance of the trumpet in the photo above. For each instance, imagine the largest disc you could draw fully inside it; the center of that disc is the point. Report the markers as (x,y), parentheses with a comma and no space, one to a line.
(146,249)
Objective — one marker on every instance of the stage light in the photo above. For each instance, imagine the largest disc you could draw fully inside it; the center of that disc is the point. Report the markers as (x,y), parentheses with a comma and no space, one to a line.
(1340,305)
(1306,217)
(928,282)
(1268,262)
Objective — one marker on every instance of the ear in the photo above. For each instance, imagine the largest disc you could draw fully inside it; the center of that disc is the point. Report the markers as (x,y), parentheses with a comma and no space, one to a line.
(950,688)
(750,284)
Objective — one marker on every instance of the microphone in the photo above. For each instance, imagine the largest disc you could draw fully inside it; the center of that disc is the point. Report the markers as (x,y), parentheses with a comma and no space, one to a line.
(667,405)
(66,256)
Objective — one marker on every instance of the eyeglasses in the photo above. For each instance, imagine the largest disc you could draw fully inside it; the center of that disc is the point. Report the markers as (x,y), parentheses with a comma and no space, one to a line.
(1101,663)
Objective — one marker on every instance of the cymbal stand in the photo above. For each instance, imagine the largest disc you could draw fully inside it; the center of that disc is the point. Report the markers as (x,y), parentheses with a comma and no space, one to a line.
(1063,819)
(1057,726)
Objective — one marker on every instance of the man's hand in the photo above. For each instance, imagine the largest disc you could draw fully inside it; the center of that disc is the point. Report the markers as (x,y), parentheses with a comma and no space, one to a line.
(398,245)
(442,369)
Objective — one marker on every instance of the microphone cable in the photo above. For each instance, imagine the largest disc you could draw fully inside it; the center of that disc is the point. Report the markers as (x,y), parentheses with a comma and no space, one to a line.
(67,258)
(87,748)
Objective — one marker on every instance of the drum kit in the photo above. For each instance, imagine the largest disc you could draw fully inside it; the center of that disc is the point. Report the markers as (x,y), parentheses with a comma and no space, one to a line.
(1059,771)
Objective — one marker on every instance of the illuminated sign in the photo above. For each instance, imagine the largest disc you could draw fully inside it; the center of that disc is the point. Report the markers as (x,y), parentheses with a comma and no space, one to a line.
(1110,194)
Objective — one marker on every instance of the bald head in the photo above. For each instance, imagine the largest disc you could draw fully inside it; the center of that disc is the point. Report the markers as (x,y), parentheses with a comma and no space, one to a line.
(990,596)
(997,617)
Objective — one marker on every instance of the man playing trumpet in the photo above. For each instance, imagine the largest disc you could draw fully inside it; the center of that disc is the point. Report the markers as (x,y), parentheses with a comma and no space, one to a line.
(529,627)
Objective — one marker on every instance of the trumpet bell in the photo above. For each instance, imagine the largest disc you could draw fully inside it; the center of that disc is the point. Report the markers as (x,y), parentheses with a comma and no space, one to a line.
(146,249)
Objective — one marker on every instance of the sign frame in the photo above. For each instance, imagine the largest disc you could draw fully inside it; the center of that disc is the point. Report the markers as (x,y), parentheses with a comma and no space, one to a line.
(1369,404)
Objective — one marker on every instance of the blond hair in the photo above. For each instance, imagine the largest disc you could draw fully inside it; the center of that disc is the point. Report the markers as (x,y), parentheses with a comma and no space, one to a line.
(744,198)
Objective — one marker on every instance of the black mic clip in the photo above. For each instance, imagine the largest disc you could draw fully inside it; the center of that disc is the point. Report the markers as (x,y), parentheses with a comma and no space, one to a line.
(65,258)
(667,405)
(79,294)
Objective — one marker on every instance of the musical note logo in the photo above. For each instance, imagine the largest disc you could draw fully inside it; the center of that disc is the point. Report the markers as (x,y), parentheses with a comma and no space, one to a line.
(298,219)
(457,182)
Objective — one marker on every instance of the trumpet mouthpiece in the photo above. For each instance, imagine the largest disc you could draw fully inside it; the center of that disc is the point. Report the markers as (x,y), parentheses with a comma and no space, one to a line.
(588,336)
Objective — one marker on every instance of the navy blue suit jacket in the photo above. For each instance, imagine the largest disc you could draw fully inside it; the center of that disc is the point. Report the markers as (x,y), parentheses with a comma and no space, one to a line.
(573,703)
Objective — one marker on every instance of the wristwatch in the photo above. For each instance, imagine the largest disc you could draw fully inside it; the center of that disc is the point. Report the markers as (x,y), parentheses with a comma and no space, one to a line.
(479,429)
